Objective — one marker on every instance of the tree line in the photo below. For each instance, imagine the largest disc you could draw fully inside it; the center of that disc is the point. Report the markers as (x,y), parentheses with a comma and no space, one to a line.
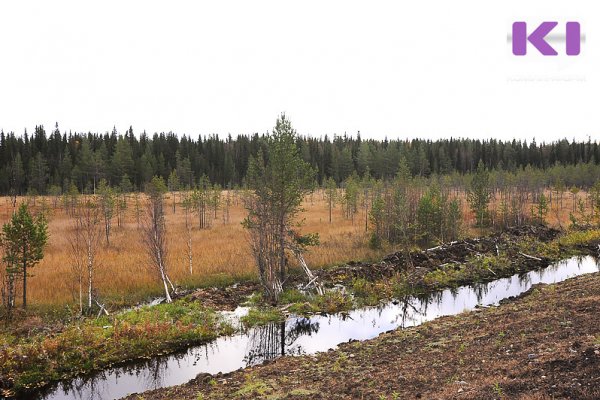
(51,163)
(406,201)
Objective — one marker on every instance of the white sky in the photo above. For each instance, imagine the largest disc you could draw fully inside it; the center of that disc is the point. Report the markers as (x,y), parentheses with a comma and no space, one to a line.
(387,68)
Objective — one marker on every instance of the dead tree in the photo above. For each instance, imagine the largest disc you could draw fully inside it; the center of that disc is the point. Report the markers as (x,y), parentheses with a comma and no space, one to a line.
(298,244)
(155,233)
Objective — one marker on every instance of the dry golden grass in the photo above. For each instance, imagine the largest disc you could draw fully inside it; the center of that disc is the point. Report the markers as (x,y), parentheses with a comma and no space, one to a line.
(221,252)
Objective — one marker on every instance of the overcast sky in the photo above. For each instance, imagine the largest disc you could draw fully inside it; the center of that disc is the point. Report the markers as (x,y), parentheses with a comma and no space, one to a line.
(425,69)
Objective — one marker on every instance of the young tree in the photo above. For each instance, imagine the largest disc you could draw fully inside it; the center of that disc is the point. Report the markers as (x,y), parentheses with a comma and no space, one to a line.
(137,206)
(367,186)
(479,195)
(377,215)
(173,184)
(215,199)
(85,239)
(55,192)
(542,208)
(24,239)
(187,203)
(226,206)
(595,200)
(350,198)
(574,191)
(330,195)
(107,206)
(155,232)
(121,201)
(202,199)
(70,198)
(453,220)
(279,182)
(430,216)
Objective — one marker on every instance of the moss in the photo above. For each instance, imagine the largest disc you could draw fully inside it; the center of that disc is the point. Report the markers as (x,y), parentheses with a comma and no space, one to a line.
(252,386)
(333,301)
(94,344)
(262,316)
(303,392)
(291,296)
(531,245)
(580,238)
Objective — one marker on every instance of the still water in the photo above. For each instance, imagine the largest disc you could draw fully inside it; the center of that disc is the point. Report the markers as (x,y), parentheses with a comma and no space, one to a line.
(305,336)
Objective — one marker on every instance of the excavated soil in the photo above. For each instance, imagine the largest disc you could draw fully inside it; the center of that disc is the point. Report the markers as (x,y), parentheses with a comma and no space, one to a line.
(414,265)
(543,345)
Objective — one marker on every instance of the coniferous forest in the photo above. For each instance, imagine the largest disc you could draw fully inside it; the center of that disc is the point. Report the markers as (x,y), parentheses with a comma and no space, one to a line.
(158,238)
(50,162)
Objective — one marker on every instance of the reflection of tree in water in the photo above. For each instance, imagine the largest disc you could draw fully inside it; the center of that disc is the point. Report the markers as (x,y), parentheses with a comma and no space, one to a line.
(154,372)
(482,289)
(277,339)
(411,307)
(91,388)
(97,386)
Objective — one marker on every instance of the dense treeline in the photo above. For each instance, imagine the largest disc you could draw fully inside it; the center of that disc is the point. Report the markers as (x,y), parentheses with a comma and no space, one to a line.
(43,163)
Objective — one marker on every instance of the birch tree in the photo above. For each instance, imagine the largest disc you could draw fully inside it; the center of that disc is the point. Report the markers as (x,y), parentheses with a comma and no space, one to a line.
(155,233)
(85,239)
(107,205)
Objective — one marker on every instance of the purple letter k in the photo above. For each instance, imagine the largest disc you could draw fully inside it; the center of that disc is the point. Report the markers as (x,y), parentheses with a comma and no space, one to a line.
(536,38)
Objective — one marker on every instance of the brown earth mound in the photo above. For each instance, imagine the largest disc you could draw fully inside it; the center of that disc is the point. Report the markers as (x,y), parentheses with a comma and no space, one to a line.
(545,345)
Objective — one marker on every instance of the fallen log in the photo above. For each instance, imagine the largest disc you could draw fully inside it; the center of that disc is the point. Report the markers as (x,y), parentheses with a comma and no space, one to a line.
(313,279)
(530,257)
(102,309)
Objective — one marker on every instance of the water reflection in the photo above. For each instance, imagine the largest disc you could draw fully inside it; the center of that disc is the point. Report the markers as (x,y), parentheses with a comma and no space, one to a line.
(306,335)
(278,339)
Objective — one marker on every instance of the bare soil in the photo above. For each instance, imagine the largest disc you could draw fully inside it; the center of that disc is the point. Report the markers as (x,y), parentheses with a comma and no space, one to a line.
(413,264)
(417,263)
(543,345)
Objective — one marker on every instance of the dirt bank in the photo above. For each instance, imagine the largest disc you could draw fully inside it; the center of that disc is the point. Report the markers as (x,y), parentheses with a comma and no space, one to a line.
(545,344)
(455,260)
(416,263)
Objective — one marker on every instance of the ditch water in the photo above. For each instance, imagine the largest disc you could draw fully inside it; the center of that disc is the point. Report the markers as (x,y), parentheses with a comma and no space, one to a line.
(305,336)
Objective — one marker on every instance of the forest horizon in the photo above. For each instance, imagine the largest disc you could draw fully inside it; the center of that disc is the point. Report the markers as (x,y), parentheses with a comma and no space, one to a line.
(43,161)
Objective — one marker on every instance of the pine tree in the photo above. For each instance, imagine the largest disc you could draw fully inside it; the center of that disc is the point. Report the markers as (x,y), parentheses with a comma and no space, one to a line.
(377,217)
(479,195)
(330,195)
(542,208)
(24,239)
(279,183)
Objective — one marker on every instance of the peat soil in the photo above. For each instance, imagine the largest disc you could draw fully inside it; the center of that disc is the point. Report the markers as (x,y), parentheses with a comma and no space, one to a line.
(544,344)
(414,265)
